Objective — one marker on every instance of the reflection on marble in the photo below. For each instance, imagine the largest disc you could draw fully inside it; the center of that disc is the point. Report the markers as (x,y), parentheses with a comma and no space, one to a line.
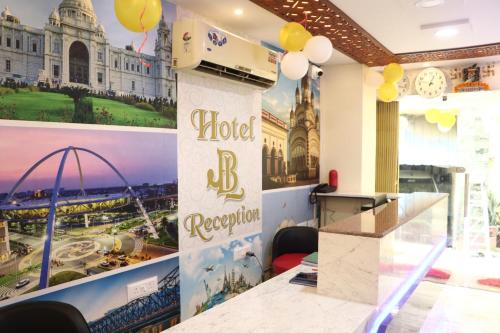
(439,308)
(384,219)
(370,269)
(278,306)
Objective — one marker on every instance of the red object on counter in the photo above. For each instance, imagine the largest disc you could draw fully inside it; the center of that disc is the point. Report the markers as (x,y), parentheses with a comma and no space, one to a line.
(287,261)
(333,178)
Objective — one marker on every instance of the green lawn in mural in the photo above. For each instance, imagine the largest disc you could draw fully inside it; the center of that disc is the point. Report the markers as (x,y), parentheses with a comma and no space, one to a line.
(57,107)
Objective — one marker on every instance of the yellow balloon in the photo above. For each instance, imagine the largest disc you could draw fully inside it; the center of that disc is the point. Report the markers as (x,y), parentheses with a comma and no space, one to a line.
(447,120)
(285,31)
(129,13)
(432,115)
(293,36)
(393,73)
(387,92)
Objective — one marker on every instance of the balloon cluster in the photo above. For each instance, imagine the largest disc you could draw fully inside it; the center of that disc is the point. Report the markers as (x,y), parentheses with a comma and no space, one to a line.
(445,120)
(302,47)
(388,90)
(139,16)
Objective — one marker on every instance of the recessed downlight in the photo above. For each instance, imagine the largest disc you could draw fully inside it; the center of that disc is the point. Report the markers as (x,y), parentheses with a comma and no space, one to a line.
(428,3)
(447,32)
(238,12)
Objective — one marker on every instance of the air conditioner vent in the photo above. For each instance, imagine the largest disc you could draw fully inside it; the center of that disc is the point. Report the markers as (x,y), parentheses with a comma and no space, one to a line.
(233,74)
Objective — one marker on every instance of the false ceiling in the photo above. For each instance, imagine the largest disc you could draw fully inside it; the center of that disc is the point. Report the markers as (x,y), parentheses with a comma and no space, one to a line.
(382,31)
(397,23)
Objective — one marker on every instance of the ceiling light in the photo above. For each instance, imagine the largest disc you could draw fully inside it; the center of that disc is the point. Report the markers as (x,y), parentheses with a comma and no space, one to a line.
(428,3)
(238,12)
(447,32)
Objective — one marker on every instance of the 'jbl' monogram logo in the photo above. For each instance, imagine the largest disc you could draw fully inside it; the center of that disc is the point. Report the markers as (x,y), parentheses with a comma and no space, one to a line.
(227,182)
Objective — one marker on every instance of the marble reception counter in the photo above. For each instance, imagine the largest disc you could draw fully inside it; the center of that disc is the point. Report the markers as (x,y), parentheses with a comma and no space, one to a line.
(367,263)
(277,306)
(377,256)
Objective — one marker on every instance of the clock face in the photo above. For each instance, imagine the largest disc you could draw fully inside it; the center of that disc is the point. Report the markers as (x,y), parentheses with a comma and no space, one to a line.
(430,83)
(403,86)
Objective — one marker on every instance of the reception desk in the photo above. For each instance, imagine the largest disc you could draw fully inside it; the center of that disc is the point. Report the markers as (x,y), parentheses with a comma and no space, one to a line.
(337,206)
(367,263)
(377,256)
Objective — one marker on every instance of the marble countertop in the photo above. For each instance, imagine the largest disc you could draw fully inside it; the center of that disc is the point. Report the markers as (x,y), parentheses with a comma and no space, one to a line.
(352,195)
(380,221)
(278,306)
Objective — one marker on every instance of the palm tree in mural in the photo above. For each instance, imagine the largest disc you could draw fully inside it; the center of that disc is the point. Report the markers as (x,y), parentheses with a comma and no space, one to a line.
(493,208)
(84,110)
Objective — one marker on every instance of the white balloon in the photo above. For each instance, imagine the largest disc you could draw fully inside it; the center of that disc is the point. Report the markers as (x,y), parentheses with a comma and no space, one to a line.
(373,78)
(318,49)
(443,129)
(294,65)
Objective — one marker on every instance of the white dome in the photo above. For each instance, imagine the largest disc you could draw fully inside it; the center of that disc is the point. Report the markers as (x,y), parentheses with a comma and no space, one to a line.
(84,6)
(6,12)
(100,28)
(55,15)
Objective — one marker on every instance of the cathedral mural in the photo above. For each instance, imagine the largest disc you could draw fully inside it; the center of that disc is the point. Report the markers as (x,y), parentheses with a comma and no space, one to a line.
(212,276)
(291,133)
(71,61)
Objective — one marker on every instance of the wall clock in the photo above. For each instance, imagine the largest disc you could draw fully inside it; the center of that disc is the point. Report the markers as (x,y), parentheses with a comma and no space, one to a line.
(430,83)
(403,86)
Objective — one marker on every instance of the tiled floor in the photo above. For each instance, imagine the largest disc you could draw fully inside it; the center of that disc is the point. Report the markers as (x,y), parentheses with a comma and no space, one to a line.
(456,307)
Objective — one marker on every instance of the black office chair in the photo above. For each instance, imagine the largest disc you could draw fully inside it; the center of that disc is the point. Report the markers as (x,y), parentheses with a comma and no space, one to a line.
(43,316)
(292,244)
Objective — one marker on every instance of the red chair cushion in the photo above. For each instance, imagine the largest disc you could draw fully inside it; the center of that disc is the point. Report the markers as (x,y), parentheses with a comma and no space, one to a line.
(490,282)
(286,261)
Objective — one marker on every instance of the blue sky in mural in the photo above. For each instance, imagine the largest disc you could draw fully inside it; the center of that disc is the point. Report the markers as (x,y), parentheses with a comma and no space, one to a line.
(193,271)
(146,157)
(95,298)
(35,13)
(280,99)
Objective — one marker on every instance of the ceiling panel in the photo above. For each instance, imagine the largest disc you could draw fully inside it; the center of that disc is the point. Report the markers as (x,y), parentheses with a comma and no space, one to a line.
(396,23)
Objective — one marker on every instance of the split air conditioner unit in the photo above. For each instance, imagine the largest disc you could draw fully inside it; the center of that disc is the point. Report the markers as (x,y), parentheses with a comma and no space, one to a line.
(200,47)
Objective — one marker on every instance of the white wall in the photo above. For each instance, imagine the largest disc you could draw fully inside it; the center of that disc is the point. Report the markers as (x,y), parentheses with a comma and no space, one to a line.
(348,118)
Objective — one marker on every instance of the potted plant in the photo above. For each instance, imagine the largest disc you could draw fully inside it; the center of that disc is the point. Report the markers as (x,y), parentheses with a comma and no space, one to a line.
(493,214)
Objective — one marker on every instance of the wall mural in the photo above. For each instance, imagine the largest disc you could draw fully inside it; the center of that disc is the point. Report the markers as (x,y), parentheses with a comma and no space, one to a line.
(219,124)
(218,142)
(212,276)
(61,62)
(81,200)
(73,205)
(291,133)
(107,309)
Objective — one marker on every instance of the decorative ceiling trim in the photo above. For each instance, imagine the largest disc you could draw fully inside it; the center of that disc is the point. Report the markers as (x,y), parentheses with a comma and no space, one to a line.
(348,37)
(449,54)
(324,18)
